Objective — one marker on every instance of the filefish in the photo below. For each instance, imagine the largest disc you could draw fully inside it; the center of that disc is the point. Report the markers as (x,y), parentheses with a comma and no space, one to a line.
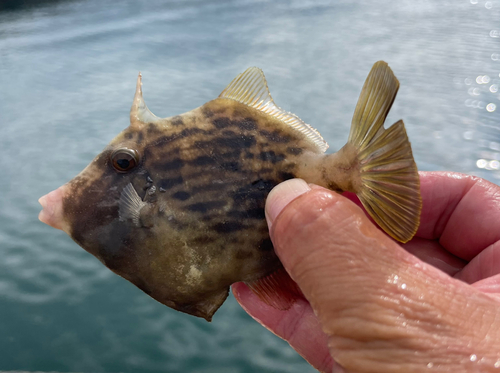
(176,205)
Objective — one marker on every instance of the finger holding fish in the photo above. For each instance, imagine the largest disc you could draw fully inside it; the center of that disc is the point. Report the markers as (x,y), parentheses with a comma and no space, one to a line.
(381,308)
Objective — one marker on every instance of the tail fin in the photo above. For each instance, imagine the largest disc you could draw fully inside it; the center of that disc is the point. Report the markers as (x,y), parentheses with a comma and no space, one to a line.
(390,186)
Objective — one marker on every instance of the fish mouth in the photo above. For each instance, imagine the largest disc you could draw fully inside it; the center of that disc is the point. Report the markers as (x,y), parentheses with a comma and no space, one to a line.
(52,209)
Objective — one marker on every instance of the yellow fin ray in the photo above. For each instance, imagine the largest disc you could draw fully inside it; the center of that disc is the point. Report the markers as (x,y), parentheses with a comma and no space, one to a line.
(374,103)
(390,186)
(250,88)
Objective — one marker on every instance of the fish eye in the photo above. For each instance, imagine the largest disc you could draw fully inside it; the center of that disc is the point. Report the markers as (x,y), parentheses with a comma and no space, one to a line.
(124,159)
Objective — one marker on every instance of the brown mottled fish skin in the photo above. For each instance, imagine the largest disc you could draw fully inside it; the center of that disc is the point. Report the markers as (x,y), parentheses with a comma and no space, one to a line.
(187,220)
(211,170)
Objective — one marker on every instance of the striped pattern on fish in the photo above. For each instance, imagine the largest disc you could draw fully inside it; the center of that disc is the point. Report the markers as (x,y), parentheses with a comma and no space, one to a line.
(176,205)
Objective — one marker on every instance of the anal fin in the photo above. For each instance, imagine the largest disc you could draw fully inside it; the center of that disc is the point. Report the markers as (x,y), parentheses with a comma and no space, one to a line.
(277,289)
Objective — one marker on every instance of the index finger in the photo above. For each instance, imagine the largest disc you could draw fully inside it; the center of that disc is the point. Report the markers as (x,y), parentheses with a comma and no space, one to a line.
(462,212)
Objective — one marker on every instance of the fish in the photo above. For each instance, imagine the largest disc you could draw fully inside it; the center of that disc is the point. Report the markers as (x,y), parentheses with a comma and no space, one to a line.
(176,205)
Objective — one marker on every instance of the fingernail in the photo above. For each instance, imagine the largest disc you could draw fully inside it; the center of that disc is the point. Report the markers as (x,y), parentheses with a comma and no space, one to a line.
(282,195)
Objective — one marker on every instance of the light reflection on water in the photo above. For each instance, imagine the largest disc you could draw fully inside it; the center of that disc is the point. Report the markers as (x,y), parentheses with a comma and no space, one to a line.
(67,73)
(483,101)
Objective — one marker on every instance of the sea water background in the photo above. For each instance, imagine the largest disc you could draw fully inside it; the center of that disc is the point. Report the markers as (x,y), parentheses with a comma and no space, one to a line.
(67,78)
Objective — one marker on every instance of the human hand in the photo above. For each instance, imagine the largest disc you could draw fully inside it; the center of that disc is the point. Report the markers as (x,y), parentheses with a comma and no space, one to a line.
(373,305)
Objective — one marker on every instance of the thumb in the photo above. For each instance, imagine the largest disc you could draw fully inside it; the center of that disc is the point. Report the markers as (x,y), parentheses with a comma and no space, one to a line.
(382,309)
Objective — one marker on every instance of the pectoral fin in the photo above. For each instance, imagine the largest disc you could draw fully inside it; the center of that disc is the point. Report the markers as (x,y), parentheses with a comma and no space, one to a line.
(130,205)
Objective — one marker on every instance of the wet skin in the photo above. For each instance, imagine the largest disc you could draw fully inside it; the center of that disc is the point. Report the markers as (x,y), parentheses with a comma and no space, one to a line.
(373,306)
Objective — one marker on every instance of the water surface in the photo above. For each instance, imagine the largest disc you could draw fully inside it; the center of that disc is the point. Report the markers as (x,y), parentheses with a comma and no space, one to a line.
(67,78)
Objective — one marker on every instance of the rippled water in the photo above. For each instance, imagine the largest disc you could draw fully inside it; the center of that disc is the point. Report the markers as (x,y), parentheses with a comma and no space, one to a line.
(67,76)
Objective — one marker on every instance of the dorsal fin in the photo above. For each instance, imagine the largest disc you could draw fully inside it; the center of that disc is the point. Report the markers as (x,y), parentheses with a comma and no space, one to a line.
(250,88)
(139,111)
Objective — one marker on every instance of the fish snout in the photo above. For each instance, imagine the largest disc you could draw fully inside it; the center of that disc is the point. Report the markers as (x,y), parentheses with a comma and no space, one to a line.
(52,208)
